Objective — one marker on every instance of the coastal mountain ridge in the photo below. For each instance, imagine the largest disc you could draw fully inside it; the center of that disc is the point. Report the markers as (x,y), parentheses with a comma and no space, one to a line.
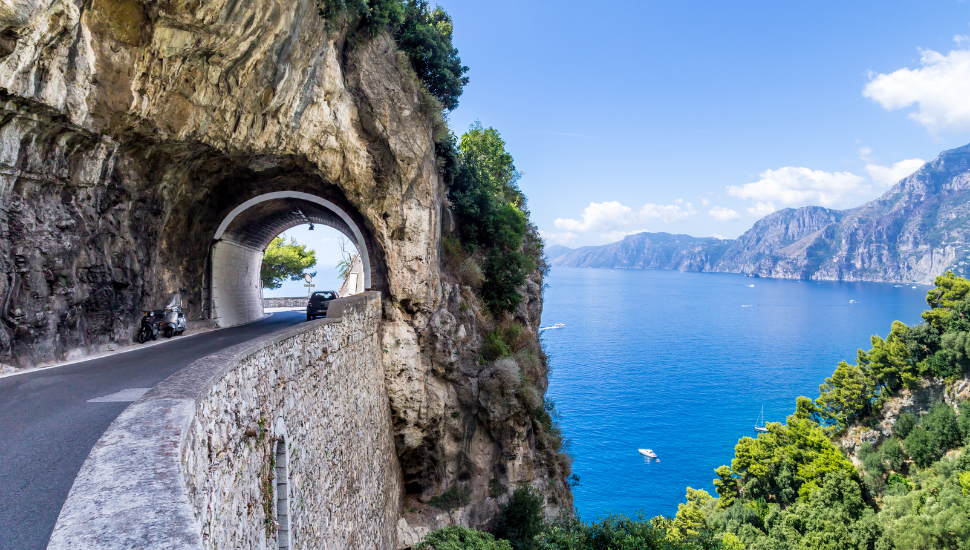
(912,233)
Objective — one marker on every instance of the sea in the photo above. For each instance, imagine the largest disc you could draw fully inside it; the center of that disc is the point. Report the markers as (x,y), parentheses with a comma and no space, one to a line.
(684,363)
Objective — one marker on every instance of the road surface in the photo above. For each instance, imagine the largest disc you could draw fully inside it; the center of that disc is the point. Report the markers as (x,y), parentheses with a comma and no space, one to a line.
(48,426)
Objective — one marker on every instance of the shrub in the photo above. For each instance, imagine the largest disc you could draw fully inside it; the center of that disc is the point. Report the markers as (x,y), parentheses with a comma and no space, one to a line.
(892,453)
(495,347)
(942,423)
(520,520)
(471,274)
(904,424)
(504,274)
(964,421)
(921,447)
(461,538)
(873,463)
(506,372)
(452,498)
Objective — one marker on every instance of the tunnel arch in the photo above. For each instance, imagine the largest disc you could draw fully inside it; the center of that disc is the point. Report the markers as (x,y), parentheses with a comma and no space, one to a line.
(242,237)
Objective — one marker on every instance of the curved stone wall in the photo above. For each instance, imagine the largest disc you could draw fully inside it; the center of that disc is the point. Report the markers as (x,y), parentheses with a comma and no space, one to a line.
(194,463)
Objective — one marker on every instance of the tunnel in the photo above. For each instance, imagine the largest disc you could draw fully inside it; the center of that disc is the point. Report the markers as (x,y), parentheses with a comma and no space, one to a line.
(238,245)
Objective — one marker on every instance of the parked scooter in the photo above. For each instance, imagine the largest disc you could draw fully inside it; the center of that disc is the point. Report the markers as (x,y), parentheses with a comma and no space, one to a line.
(151,325)
(174,322)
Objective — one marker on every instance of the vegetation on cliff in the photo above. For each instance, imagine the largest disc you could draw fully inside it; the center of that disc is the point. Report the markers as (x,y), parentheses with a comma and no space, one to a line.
(423,34)
(793,487)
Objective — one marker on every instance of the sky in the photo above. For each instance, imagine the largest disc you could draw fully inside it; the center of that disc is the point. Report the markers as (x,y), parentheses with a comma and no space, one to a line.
(701,117)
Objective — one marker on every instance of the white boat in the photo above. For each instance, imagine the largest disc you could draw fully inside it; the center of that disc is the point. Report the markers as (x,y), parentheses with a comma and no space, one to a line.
(853,302)
(648,452)
(760,425)
(558,325)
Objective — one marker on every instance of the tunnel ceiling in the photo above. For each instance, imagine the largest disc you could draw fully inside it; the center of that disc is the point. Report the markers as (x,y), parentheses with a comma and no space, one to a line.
(259,224)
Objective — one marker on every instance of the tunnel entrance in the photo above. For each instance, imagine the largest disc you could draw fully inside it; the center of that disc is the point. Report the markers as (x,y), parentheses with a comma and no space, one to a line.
(235,289)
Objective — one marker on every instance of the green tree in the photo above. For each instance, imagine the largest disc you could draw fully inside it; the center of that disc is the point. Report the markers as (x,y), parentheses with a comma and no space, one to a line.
(425,37)
(789,460)
(691,519)
(889,360)
(933,515)
(491,213)
(484,148)
(847,395)
(284,260)
(461,538)
(949,290)
(520,520)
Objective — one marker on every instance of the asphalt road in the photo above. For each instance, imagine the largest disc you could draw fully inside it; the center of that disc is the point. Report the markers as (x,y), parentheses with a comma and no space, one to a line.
(48,427)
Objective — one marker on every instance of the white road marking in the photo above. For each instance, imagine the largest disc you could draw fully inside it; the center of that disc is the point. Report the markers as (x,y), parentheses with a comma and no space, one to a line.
(129,395)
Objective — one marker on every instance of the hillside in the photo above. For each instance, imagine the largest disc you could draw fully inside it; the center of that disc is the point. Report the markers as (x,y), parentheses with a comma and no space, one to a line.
(915,231)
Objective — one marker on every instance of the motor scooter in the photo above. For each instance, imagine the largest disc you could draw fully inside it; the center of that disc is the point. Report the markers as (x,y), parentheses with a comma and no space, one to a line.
(174,321)
(151,325)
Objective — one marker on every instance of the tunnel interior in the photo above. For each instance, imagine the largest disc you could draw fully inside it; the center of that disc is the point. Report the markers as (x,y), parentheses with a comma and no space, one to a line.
(241,240)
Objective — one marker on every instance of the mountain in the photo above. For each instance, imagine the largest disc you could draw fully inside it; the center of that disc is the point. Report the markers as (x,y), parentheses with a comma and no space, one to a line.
(914,232)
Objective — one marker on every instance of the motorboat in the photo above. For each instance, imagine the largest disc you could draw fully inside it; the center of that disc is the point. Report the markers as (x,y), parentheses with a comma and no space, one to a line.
(648,452)
(559,325)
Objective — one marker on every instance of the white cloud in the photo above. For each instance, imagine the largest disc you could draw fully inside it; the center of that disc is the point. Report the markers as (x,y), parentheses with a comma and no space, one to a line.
(716,236)
(796,186)
(762,209)
(722,214)
(940,88)
(564,238)
(890,175)
(609,217)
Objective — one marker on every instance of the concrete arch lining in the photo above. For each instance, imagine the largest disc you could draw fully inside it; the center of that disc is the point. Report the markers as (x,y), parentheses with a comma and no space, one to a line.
(277,195)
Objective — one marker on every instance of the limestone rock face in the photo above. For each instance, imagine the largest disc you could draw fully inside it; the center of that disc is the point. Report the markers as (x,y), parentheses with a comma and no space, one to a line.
(917,401)
(129,129)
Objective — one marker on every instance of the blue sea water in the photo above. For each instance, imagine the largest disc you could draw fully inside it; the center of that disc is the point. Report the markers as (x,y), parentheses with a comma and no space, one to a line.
(682,363)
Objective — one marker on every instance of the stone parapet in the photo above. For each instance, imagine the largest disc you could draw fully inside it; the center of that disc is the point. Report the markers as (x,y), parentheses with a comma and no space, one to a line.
(299,301)
(288,435)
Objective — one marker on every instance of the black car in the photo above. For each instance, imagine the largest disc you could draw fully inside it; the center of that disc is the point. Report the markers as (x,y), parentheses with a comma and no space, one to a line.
(318,304)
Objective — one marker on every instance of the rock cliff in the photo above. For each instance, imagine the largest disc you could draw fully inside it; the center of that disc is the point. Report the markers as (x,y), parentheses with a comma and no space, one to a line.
(130,128)
(914,232)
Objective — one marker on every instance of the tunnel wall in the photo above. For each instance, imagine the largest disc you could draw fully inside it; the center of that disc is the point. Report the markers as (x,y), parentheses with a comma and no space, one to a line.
(236,289)
(318,387)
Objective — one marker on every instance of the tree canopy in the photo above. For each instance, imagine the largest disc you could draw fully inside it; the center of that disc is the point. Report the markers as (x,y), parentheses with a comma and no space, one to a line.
(284,260)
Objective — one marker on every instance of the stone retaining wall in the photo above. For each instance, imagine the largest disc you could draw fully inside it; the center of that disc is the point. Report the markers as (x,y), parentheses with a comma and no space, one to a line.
(289,430)
(299,301)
